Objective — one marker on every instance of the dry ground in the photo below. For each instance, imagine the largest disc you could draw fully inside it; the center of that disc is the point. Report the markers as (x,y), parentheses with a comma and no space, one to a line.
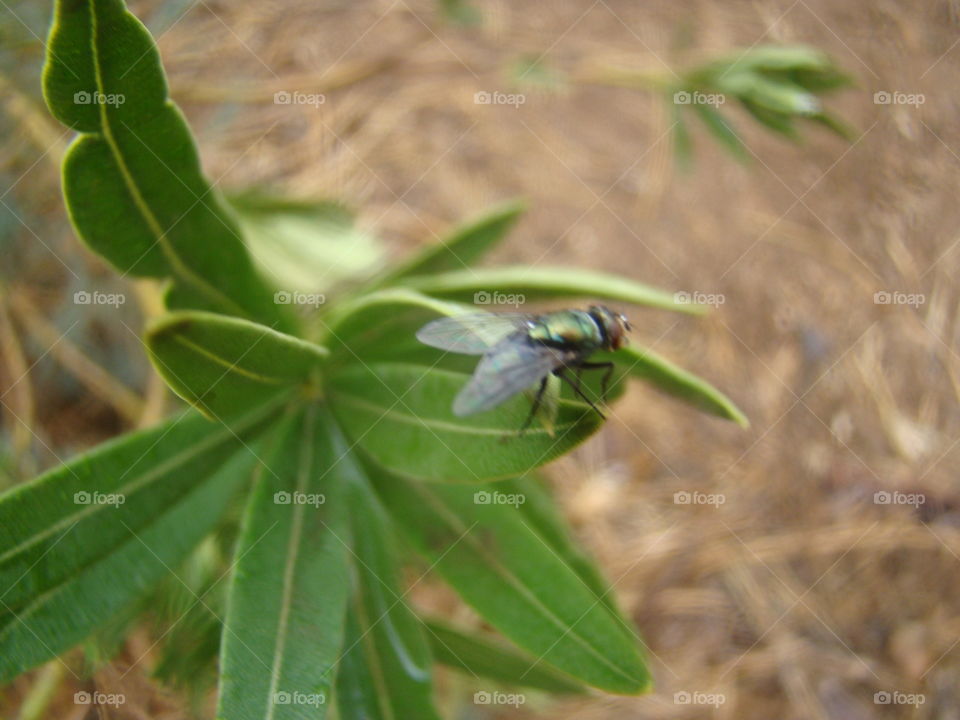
(799,596)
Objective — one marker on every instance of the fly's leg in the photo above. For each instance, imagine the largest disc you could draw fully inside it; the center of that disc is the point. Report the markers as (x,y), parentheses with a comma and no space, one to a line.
(560,374)
(536,404)
(608,366)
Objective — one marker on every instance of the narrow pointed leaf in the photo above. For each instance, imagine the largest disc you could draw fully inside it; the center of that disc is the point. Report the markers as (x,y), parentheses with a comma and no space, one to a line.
(682,143)
(721,129)
(503,568)
(673,380)
(288,594)
(535,283)
(118,518)
(778,58)
(480,655)
(463,246)
(132,179)
(778,122)
(390,639)
(222,364)
(401,415)
(540,512)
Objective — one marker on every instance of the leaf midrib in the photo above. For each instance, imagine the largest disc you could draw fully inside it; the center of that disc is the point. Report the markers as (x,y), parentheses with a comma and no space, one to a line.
(433,423)
(454,523)
(152,474)
(180,269)
(293,548)
(231,366)
(24,612)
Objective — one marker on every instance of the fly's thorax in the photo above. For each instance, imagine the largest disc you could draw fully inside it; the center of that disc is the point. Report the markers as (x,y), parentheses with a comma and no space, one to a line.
(569,329)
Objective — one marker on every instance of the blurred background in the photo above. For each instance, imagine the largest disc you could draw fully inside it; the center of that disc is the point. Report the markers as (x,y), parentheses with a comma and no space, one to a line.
(808,567)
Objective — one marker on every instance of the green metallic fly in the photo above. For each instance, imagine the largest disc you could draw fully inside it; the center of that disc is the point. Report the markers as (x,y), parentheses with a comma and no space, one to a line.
(521,349)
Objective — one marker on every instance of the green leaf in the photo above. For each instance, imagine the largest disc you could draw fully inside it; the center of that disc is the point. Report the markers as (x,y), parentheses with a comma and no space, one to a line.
(462,247)
(776,121)
(778,95)
(501,566)
(132,179)
(682,144)
(401,415)
(114,519)
(646,364)
(222,364)
(821,80)
(387,661)
(540,512)
(305,246)
(721,129)
(382,326)
(778,58)
(834,124)
(480,655)
(288,594)
(527,283)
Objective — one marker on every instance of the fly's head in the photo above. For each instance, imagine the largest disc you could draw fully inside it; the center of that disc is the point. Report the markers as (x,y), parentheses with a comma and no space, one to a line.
(615,326)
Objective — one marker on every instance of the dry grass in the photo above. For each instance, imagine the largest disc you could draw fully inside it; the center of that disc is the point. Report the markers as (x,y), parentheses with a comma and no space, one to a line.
(799,596)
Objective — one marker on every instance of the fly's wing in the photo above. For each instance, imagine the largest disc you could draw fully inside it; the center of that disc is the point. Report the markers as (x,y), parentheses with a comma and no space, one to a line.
(513,365)
(471,334)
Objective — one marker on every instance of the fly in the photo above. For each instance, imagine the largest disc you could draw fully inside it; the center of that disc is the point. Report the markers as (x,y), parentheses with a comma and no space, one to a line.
(521,349)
